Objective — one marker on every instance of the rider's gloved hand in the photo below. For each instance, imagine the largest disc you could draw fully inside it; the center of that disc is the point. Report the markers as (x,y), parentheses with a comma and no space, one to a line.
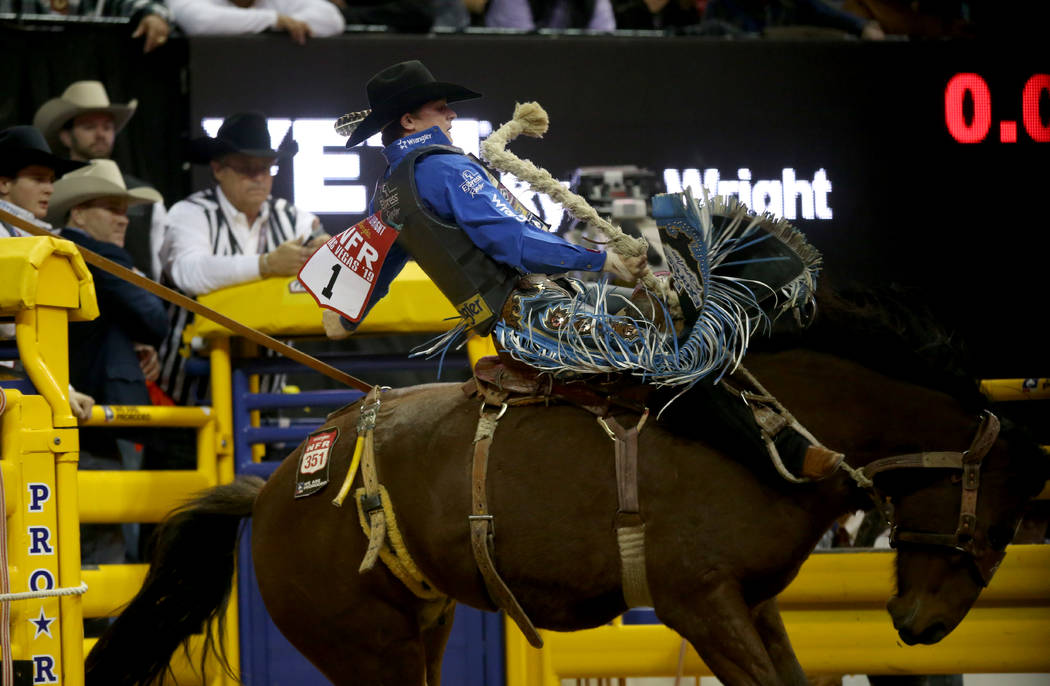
(333,327)
(628,269)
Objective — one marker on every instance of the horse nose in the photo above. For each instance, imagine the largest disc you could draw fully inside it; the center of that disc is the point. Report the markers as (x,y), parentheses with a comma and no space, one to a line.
(928,636)
(907,635)
(933,633)
(899,611)
(905,618)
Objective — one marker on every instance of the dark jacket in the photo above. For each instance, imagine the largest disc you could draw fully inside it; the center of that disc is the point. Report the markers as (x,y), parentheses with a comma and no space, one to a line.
(102,358)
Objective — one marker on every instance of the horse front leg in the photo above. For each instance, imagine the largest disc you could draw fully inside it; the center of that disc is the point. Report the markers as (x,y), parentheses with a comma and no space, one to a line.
(770,627)
(717,622)
(435,638)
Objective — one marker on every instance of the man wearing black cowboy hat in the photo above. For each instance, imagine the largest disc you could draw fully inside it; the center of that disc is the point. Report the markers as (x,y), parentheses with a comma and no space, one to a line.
(473,238)
(468,232)
(27,174)
(233,232)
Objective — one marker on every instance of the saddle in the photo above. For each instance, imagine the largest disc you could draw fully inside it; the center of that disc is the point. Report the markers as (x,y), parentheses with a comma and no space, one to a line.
(500,379)
(503,382)
(758,420)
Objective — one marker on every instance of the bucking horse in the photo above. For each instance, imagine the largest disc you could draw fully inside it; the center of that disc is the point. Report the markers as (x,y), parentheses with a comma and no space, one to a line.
(415,499)
(724,533)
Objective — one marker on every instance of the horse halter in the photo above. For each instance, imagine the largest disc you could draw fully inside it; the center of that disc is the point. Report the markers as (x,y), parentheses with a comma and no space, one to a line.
(985,559)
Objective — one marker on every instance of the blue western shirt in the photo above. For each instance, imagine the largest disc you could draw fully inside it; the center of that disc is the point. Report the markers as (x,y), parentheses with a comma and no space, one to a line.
(457,189)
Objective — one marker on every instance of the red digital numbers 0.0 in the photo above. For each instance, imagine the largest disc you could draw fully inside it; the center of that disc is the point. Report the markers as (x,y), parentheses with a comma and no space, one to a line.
(974,129)
(1033,121)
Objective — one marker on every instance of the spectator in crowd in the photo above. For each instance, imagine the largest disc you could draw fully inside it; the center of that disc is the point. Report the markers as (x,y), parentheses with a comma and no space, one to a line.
(301,19)
(915,18)
(92,205)
(27,173)
(656,14)
(530,15)
(83,121)
(406,16)
(232,233)
(151,18)
(455,14)
(760,16)
(113,356)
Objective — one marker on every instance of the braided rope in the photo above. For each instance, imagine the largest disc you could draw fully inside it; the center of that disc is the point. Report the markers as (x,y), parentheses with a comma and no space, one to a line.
(857,475)
(49,593)
(532,120)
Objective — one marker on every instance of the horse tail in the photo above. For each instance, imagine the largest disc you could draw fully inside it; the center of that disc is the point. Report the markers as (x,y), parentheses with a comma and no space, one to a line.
(187,588)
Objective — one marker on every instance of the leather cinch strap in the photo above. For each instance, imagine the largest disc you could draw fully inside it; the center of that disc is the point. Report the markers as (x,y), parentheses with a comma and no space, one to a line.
(192,305)
(482,534)
(630,527)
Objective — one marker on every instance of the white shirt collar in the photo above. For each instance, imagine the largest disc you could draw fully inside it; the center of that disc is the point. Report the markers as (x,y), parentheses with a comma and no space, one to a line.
(239,218)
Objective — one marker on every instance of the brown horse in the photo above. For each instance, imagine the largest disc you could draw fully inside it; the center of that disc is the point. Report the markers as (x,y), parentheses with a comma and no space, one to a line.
(724,536)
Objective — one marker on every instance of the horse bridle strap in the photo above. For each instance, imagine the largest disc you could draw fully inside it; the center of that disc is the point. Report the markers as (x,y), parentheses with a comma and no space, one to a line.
(985,559)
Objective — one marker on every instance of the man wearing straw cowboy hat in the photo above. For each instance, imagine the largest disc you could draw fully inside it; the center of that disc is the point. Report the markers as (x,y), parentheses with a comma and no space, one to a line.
(92,204)
(83,121)
(411,109)
(113,356)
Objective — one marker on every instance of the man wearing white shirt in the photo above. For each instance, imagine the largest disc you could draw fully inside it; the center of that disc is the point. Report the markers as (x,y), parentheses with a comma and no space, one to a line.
(301,19)
(234,232)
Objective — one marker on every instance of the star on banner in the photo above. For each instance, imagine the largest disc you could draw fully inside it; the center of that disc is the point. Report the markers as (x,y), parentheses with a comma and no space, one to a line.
(43,624)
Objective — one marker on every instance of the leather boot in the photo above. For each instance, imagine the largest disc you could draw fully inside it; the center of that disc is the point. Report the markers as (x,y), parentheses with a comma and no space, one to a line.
(820,462)
(805,459)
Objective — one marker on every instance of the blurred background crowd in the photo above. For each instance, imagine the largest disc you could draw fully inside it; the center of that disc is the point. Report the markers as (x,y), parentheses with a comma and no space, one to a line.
(154,21)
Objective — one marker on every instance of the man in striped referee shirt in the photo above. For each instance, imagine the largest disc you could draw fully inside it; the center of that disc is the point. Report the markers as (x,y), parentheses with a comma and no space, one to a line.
(233,232)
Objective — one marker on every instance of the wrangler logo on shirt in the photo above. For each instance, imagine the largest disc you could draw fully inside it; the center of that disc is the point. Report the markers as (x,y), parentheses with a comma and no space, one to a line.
(474,311)
(506,209)
(403,143)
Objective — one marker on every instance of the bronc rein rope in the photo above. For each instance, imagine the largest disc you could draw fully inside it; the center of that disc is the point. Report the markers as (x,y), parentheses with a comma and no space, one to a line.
(172,296)
(532,120)
(192,305)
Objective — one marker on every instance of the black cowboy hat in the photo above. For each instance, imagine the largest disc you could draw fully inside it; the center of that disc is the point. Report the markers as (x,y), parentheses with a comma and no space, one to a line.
(22,146)
(395,91)
(245,133)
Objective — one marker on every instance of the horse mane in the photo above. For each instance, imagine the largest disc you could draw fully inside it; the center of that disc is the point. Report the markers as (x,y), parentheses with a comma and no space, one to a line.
(892,331)
(887,330)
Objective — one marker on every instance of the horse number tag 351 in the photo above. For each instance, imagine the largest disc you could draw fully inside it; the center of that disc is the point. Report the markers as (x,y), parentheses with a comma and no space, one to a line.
(314,462)
(341,274)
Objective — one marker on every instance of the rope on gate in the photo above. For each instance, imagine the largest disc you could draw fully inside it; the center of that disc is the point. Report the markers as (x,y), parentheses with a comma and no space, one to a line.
(49,593)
